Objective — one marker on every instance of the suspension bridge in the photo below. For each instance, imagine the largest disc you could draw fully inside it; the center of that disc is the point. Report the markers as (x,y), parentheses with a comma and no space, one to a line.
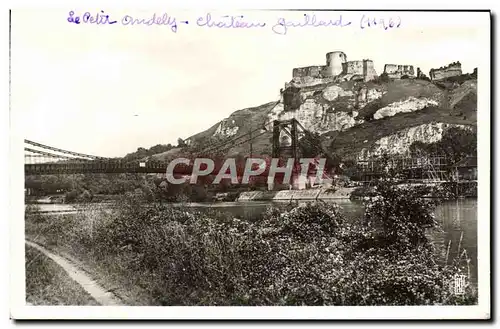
(41,159)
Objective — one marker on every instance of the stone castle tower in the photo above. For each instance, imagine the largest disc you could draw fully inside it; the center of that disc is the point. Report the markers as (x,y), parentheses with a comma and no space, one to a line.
(334,62)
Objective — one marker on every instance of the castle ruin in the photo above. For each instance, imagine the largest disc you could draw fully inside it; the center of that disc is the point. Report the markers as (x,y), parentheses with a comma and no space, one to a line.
(358,70)
(394,71)
(451,70)
(336,66)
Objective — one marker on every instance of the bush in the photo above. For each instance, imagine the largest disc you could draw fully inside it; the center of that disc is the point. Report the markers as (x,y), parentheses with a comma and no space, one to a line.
(86,196)
(71,196)
(384,77)
(296,255)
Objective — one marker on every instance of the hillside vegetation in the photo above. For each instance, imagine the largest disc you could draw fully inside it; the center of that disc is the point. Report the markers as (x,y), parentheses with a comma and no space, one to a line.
(350,117)
(294,255)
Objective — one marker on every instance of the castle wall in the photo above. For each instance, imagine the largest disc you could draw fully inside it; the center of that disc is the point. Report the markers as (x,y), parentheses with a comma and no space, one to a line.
(336,65)
(353,67)
(390,68)
(364,68)
(452,70)
(397,71)
(309,71)
(369,72)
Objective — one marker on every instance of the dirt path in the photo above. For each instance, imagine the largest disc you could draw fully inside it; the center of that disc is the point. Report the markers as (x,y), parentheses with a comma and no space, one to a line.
(102,296)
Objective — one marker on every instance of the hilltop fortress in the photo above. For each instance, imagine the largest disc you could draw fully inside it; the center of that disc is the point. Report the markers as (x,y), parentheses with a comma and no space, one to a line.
(394,71)
(450,70)
(338,69)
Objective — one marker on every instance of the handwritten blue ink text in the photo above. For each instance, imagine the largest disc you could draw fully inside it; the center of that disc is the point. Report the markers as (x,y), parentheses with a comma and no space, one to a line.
(164,19)
(227,22)
(88,18)
(281,27)
(385,23)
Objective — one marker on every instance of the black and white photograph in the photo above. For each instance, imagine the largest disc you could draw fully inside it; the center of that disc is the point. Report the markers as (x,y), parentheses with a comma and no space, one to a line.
(197,164)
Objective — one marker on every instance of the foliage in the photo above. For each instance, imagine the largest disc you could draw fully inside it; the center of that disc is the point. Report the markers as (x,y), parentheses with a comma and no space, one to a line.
(309,146)
(399,216)
(95,183)
(455,144)
(86,196)
(296,255)
(384,77)
(144,153)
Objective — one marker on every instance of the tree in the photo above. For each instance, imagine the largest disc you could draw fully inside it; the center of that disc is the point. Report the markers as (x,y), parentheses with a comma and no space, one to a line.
(71,196)
(399,216)
(181,142)
(86,196)
(160,148)
(384,77)
(419,147)
(455,144)
(458,143)
(310,145)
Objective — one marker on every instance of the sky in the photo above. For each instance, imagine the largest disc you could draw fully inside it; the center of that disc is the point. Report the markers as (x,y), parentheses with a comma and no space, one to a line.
(109,89)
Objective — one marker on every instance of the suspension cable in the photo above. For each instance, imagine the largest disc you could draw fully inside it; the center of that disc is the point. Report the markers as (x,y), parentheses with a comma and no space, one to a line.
(62,151)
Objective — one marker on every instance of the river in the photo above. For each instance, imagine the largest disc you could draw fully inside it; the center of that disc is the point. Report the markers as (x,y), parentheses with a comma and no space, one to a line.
(458,220)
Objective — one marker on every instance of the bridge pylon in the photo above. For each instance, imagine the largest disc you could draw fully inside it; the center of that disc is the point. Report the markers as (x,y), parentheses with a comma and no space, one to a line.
(281,148)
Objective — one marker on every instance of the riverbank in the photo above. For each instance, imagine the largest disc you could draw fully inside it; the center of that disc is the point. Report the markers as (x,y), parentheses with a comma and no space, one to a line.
(290,195)
(293,255)
(445,190)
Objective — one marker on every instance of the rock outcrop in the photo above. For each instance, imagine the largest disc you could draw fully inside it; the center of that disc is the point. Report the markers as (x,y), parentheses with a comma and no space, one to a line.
(352,116)
(400,141)
(227,128)
(408,105)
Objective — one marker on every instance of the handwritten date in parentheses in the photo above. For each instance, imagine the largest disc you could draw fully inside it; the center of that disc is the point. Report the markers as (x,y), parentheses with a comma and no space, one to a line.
(88,18)
(378,22)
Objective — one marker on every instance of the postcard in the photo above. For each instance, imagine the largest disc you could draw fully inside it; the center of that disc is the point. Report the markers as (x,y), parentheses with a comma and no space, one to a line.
(250,164)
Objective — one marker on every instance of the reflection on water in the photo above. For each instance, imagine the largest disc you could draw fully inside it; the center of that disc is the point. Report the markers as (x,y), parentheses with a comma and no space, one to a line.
(458,220)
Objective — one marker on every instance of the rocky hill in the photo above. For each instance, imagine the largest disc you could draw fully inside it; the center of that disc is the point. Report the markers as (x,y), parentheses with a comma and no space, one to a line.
(356,118)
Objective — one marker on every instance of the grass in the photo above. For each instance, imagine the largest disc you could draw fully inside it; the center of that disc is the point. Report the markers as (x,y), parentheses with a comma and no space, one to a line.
(48,284)
(164,256)
(456,105)
(72,236)
(353,140)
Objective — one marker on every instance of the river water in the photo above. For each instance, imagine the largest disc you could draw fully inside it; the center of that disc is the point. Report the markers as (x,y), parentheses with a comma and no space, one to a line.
(458,221)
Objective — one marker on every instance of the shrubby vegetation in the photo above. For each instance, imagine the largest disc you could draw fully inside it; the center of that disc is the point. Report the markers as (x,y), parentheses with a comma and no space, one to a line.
(142,152)
(383,78)
(110,184)
(98,187)
(295,255)
(455,144)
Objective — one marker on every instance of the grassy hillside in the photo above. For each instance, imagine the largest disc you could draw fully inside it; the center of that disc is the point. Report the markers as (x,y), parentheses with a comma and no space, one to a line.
(399,90)
(456,104)
(246,120)
(351,141)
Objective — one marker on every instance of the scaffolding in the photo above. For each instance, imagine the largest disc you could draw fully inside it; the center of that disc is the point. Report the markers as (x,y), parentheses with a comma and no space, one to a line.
(417,167)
